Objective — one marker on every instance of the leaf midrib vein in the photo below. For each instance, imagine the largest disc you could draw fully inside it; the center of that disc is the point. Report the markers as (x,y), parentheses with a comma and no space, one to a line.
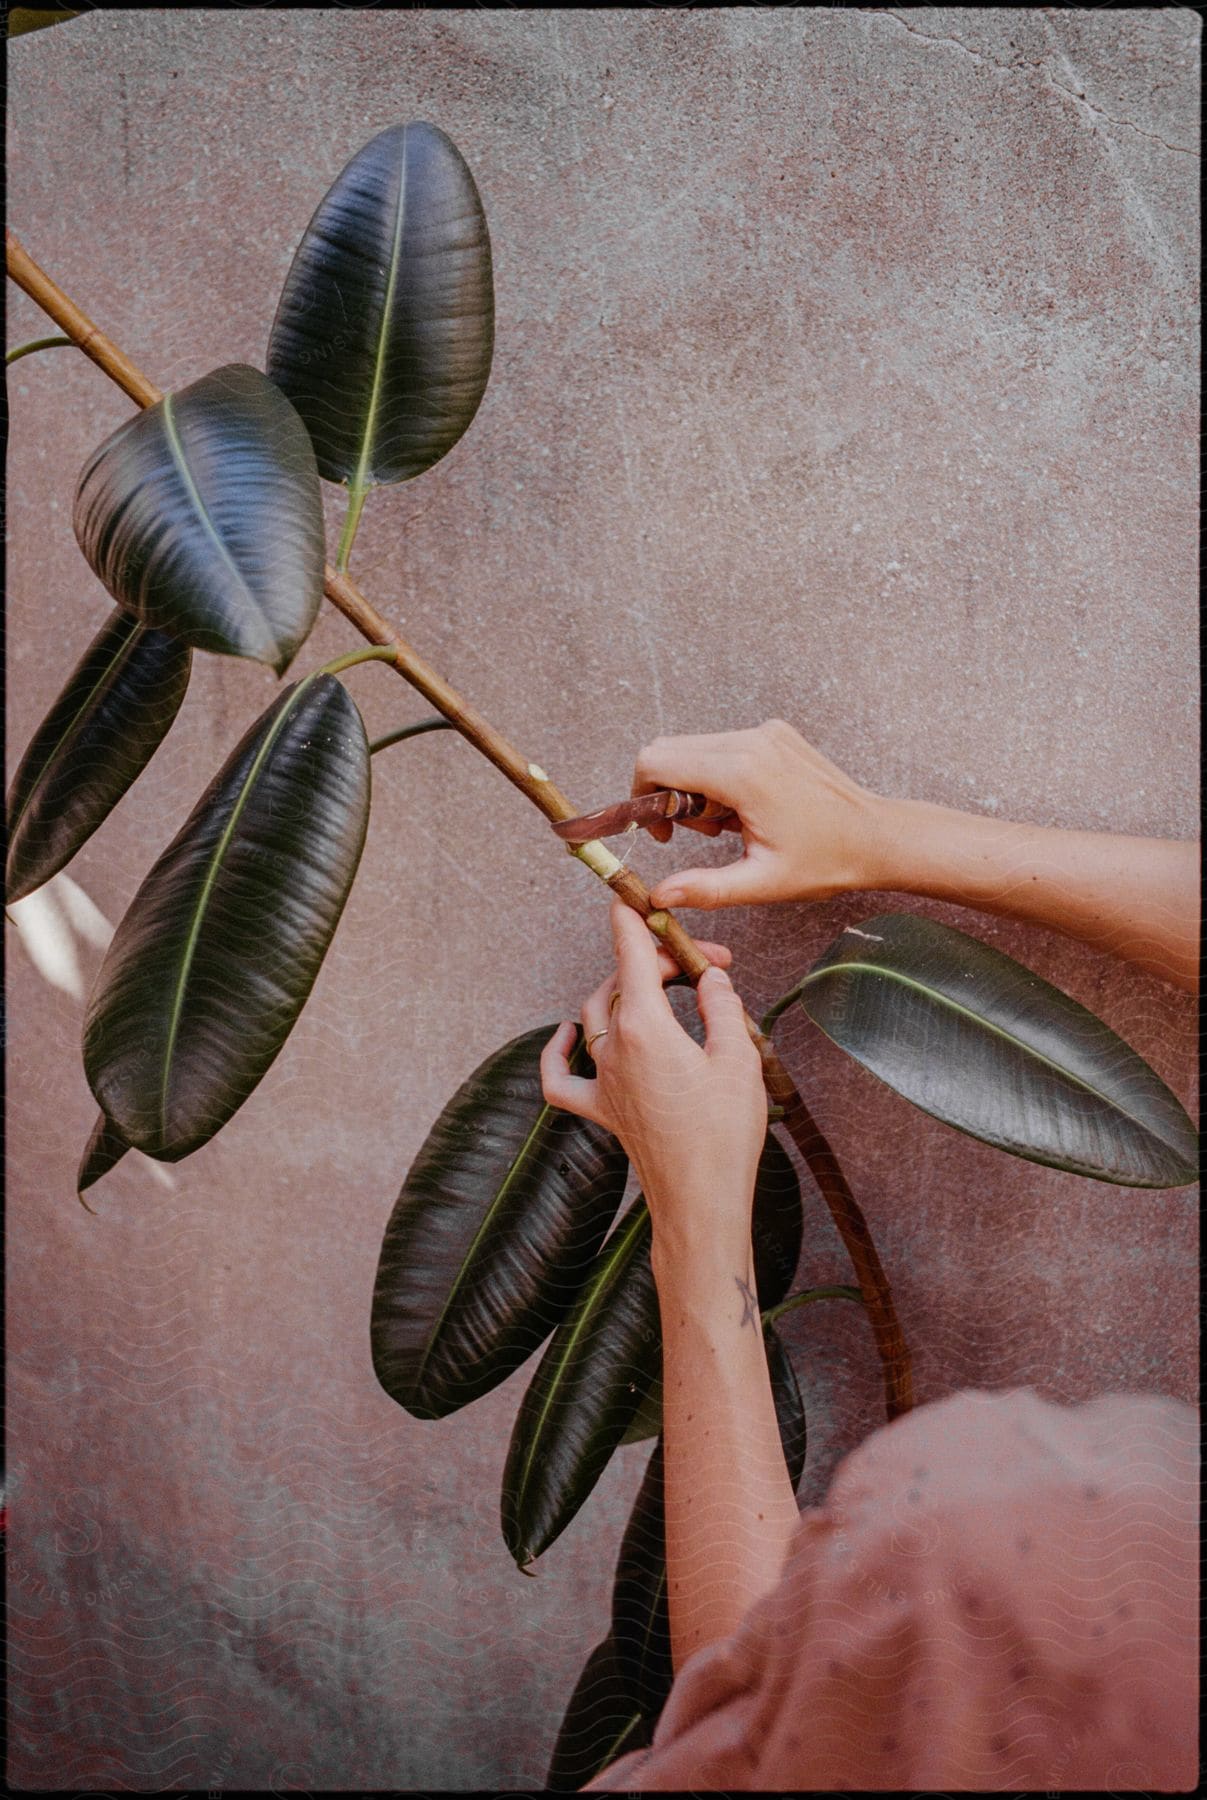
(186,475)
(211,876)
(613,1255)
(107,677)
(358,479)
(501,1192)
(978,1019)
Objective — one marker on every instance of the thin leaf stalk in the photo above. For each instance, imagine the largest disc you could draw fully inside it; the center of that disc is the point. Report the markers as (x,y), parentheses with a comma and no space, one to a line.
(806,1297)
(782,1004)
(824,1167)
(36,344)
(338,664)
(403,732)
(544,794)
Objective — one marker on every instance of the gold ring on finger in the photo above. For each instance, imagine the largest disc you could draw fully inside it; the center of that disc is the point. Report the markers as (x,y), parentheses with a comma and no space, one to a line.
(594,1038)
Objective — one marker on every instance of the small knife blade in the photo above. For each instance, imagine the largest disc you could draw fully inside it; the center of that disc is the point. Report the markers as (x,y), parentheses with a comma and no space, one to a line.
(645,809)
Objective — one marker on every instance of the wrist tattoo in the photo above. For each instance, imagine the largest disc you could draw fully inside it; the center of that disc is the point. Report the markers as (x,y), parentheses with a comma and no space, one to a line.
(750,1302)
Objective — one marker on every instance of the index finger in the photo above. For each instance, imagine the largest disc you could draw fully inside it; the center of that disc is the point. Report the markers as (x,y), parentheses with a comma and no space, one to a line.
(703,765)
(638,975)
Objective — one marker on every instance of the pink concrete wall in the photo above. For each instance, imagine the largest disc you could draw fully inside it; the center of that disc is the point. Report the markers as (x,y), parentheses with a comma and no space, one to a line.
(845,370)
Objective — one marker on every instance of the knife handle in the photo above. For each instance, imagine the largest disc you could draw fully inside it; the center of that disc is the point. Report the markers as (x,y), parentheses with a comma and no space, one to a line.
(680,805)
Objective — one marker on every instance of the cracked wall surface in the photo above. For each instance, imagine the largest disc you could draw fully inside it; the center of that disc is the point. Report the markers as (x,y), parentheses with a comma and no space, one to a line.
(846,370)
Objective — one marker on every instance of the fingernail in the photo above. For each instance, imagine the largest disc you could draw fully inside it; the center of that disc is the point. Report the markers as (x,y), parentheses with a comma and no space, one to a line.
(717,973)
(669,896)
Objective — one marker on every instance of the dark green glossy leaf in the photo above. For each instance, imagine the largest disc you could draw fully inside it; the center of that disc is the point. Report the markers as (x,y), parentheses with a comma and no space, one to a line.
(647,1420)
(498,1221)
(640,1615)
(601,1724)
(385,328)
(604,1358)
(586,1388)
(93,744)
(203,517)
(777,1226)
(976,1040)
(212,964)
(776,1223)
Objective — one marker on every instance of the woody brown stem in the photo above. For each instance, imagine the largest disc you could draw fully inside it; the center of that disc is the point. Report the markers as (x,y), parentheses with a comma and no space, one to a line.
(533,782)
(822,1163)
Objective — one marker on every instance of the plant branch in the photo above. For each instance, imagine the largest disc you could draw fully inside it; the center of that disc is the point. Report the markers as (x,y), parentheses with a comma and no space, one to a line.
(535,784)
(77,325)
(823,1165)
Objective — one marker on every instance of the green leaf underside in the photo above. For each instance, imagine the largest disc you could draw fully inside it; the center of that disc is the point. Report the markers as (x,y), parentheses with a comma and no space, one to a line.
(214,959)
(110,717)
(640,1613)
(499,1219)
(383,336)
(600,1725)
(202,516)
(978,1041)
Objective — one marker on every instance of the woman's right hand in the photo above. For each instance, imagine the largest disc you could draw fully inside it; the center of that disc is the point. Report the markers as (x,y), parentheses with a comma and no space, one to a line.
(810,831)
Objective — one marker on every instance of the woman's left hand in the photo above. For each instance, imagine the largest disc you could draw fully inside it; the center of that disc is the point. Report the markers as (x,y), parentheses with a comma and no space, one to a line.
(693,1119)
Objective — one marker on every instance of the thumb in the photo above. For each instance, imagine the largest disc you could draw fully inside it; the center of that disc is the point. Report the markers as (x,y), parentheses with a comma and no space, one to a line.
(740,883)
(720,1009)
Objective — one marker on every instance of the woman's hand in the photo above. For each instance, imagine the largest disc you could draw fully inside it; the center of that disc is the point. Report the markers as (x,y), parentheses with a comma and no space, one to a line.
(692,1119)
(810,831)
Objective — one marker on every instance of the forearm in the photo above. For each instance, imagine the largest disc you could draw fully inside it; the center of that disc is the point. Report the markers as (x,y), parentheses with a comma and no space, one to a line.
(729,1506)
(1136,897)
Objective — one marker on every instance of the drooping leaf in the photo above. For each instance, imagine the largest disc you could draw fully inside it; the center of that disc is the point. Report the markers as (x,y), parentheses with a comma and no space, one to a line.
(586,1388)
(203,517)
(777,1222)
(92,745)
(601,1724)
(385,328)
(498,1221)
(776,1229)
(212,964)
(104,1148)
(978,1041)
(640,1616)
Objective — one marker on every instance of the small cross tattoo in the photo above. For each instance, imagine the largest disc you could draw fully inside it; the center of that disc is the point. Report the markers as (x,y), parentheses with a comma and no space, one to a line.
(750,1301)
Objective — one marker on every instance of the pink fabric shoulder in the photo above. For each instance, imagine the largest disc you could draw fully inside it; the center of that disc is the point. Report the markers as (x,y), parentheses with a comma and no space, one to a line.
(999,1593)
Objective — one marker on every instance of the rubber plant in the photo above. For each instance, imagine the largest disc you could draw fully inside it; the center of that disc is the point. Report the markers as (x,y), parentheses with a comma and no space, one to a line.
(201,515)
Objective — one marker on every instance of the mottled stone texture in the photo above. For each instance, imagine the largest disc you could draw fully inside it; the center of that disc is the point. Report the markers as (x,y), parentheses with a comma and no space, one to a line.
(845,371)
